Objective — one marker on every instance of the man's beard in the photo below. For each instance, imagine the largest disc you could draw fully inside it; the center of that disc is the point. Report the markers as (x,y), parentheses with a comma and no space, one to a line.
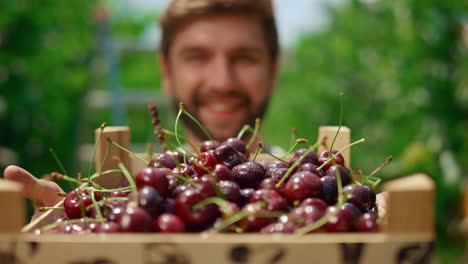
(197,101)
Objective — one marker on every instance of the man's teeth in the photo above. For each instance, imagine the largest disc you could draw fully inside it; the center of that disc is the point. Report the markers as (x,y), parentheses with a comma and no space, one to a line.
(222,107)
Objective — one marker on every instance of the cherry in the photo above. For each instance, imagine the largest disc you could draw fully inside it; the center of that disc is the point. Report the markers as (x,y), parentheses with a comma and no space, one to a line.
(228,210)
(230,191)
(288,227)
(325,156)
(319,203)
(329,190)
(246,194)
(311,168)
(237,144)
(166,160)
(180,189)
(249,174)
(208,145)
(205,185)
(344,173)
(154,177)
(302,185)
(228,156)
(254,220)
(367,223)
(270,184)
(202,217)
(306,215)
(76,201)
(150,200)
(340,220)
(278,173)
(118,194)
(184,170)
(273,201)
(204,163)
(222,173)
(362,196)
(108,227)
(168,205)
(310,158)
(169,223)
(135,220)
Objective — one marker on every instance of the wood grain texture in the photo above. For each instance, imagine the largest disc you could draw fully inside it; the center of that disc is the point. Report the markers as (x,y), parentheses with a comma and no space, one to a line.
(12,207)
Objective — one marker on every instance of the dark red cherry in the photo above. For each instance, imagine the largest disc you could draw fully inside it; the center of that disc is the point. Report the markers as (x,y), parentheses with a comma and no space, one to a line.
(340,220)
(325,156)
(204,163)
(270,184)
(77,201)
(288,227)
(329,192)
(230,191)
(302,185)
(118,194)
(362,196)
(150,200)
(345,174)
(208,145)
(135,220)
(108,227)
(311,168)
(367,223)
(273,201)
(228,156)
(256,218)
(169,223)
(154,177)
(319,203)
(310,158)
(249,174)
(237,144)
(202,217)
(306,215)
(222,173)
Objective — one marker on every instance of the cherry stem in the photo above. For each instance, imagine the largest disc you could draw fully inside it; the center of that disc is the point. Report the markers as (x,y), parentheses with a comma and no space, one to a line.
(244,129)
(129,179)
(291,149)
(293,137)
(255,133)
(128,151)
(339,124)
(339,152)
(60,177)
(269,153)
(170,133)
(311,227)
(389,159)
(73,221)
(291,169)
(107,200)
(233,219)
(198,124)
(153,110)
(96,206)
(45,208)
(59,163)
(176,126)
(260,147)
(212,200)
(103,125)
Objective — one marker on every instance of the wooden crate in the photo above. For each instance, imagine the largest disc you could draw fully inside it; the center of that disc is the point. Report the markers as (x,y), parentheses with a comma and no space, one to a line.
(407,237)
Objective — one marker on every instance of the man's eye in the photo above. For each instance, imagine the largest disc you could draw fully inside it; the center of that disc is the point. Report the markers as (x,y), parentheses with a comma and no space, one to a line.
(196,57)
(245,59)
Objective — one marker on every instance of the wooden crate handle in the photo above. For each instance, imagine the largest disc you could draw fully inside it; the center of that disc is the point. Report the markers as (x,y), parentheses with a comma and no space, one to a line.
(12,207)
(121,136)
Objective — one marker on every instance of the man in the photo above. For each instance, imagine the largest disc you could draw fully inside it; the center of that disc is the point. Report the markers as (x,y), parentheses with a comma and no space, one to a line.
(219,58)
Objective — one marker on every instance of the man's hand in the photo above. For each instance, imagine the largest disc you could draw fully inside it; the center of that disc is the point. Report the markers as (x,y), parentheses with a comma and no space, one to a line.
(41,192)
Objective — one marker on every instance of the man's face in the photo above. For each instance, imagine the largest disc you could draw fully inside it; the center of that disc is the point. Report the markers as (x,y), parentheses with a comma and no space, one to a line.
(220,68)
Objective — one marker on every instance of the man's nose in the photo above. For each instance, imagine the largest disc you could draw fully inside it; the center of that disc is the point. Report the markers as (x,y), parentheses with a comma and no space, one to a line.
(222,77)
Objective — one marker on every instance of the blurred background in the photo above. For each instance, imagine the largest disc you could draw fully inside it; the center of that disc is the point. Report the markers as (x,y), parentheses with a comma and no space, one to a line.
(68,66)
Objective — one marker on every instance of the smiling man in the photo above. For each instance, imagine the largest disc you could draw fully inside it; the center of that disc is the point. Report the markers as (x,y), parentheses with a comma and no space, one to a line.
(219,57)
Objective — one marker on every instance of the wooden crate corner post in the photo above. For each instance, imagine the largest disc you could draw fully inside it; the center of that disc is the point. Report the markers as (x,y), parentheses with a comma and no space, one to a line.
(12,207)
(121,136)
(410,208)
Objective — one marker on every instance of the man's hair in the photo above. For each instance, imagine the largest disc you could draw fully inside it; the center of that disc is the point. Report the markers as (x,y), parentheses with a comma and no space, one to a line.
(180,12)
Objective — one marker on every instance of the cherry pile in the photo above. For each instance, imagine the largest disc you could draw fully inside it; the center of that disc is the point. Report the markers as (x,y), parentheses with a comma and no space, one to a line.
(222,190)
